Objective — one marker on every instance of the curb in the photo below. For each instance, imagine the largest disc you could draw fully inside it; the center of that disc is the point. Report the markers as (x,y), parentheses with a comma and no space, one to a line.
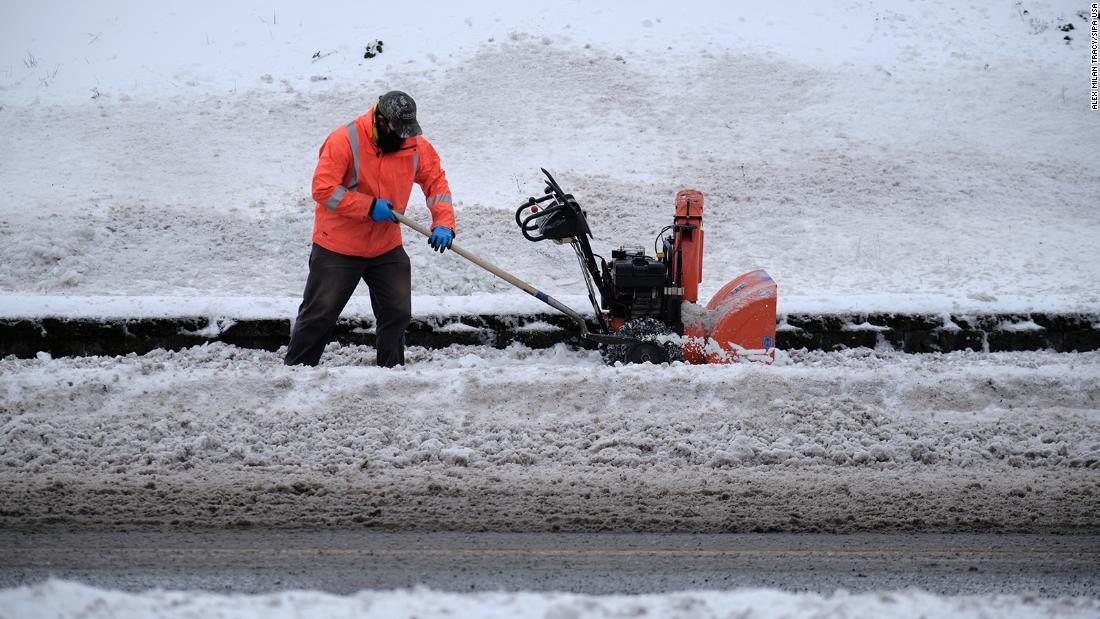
(910,333)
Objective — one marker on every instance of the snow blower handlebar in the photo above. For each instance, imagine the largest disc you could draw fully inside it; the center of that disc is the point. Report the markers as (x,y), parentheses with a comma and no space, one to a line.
(524,286)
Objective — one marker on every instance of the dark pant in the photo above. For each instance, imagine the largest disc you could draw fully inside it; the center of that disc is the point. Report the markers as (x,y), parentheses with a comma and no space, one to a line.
(332,279)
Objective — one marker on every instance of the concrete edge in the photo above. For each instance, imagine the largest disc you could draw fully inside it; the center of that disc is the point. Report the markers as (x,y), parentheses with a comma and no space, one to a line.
(910,333)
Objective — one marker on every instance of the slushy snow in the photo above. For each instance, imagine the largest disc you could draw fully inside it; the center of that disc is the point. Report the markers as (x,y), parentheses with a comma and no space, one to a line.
(473,438)
(67,600)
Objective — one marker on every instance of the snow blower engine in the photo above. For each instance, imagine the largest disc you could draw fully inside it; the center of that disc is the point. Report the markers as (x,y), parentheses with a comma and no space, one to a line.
(646,307)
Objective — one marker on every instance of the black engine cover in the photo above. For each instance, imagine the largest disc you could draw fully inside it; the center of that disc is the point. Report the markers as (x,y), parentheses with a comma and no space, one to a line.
(636,270)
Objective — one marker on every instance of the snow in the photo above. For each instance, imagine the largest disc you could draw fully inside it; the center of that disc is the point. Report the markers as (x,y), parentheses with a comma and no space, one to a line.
(249,307)
(503,304)
(1024,325)
(864,326)
(216,327)
(538,325)
(939,151)
(893,157)
(232,426)
(67,600)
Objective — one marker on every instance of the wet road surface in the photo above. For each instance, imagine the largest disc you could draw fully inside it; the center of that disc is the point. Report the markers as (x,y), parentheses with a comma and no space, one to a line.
(344,561)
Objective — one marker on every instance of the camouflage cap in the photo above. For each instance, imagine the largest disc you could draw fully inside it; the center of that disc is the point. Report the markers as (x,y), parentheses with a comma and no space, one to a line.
(399,110)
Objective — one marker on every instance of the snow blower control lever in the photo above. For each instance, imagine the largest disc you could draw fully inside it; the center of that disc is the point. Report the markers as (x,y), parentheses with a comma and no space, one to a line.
(601,338)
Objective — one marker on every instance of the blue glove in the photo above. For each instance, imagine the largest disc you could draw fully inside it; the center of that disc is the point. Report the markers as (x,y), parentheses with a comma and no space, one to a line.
(441,239)
(381,210)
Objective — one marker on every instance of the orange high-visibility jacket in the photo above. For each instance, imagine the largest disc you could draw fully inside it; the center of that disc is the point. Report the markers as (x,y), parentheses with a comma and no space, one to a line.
(341,221)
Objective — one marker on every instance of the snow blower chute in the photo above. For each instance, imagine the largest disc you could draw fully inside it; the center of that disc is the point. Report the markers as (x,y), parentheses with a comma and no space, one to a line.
(646,307)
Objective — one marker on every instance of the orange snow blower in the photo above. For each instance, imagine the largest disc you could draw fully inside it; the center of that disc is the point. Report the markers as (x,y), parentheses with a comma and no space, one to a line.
(645,307)
(651,302)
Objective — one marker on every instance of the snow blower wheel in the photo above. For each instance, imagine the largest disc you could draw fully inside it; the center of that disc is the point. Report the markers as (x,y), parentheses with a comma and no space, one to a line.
(657,343)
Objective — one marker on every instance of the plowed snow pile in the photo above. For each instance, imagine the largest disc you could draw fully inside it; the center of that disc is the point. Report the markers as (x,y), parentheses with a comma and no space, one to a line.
(848,148)
(519,439)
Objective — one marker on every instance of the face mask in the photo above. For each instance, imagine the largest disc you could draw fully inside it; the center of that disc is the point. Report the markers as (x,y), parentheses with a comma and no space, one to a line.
(388,141)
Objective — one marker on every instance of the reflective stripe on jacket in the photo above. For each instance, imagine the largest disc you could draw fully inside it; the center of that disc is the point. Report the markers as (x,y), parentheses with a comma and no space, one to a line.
(341,221)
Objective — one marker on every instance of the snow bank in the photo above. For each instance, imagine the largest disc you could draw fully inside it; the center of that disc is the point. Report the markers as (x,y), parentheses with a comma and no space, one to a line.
(67,600)
(522,439)
(849,149)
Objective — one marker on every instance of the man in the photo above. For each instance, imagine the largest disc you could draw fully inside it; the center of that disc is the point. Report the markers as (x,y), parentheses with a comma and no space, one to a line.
(367,168)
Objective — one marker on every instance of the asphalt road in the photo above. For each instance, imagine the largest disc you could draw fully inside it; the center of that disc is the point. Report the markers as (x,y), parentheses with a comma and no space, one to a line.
(344,561)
